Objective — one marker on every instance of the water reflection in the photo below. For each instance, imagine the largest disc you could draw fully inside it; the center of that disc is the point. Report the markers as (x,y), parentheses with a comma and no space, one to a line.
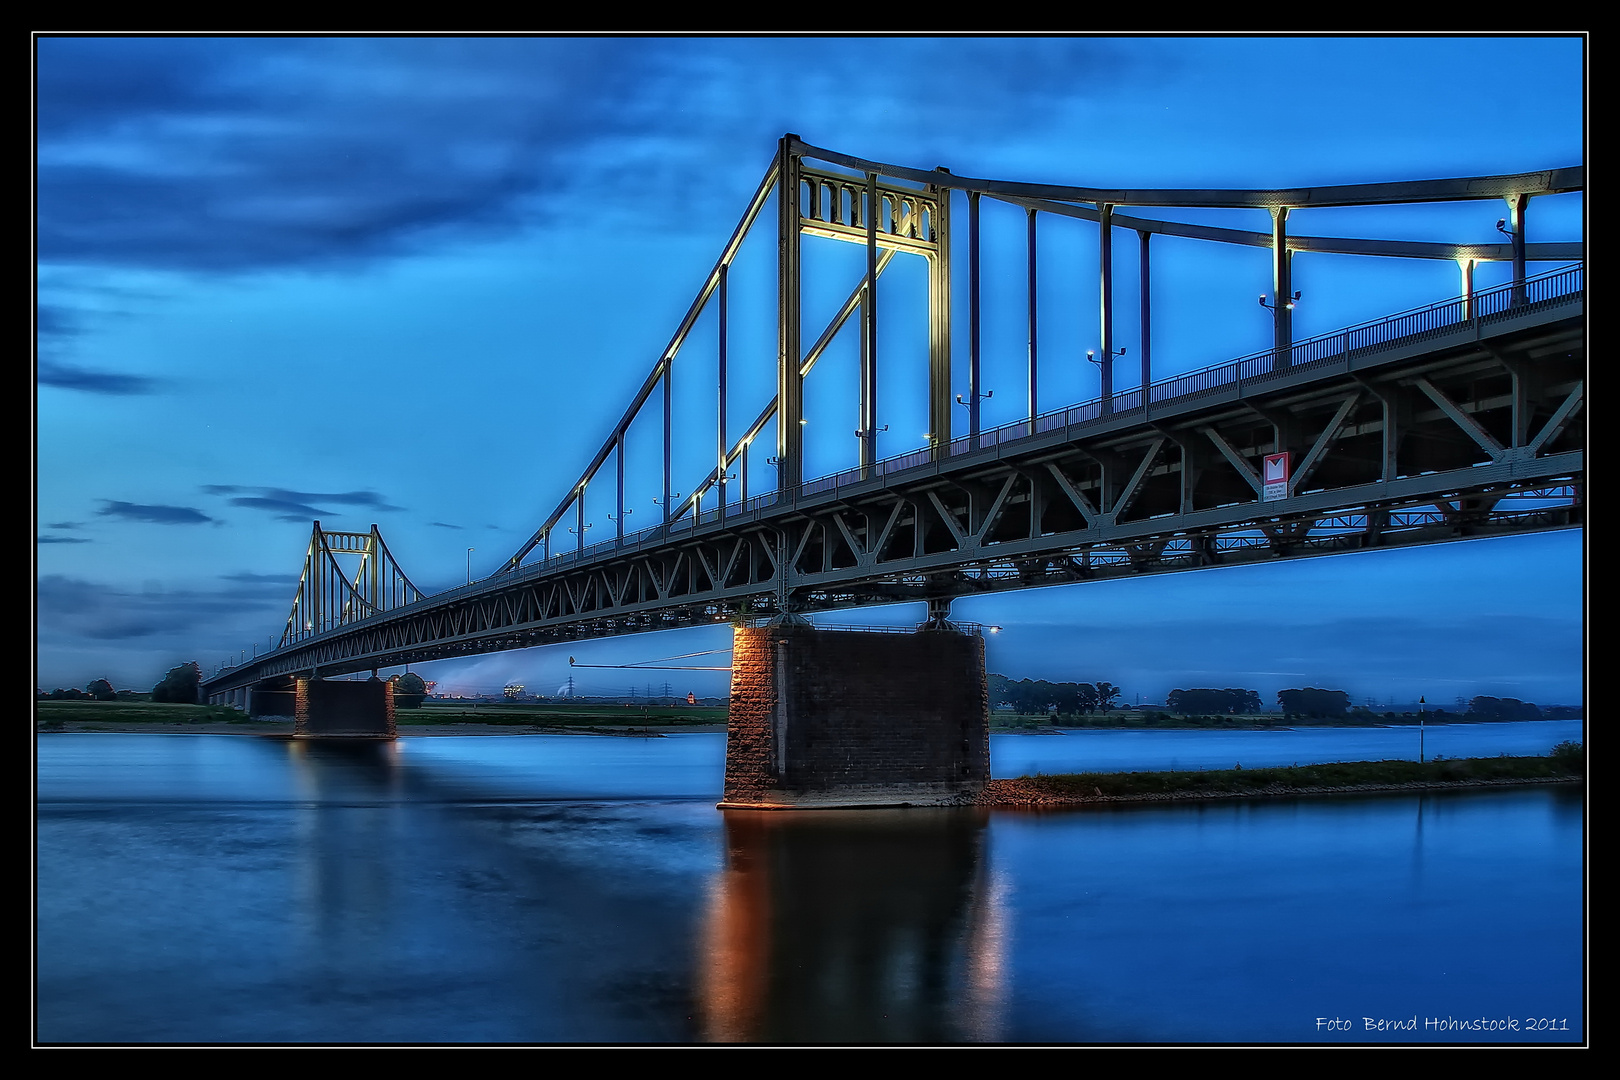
(853,927)
(344,826)
(553,889)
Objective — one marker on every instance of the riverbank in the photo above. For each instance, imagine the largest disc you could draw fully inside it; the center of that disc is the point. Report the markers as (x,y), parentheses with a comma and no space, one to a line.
(274,727)
(1565,765)
(470,718)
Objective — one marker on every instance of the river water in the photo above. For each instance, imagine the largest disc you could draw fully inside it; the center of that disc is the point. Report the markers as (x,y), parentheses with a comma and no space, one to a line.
(579,889)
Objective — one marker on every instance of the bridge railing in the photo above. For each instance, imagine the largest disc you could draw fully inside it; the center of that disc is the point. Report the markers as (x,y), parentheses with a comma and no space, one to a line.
(1488,306)
(1507,301)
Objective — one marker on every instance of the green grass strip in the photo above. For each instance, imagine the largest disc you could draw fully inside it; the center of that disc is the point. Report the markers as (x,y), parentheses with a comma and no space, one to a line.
(1567,760)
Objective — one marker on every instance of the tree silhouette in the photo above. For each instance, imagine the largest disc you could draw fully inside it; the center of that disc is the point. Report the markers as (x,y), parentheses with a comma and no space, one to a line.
(179,685)
(1220,702)
(409,690)
(1314,702)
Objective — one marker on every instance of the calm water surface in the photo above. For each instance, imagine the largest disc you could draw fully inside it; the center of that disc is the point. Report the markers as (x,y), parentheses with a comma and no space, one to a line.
(233,889)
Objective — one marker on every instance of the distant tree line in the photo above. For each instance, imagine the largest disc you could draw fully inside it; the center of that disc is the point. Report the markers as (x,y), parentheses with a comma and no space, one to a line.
(1213,702)
(98,690)
(1040,696)
(1067,698)
(1318,704)
(1490,708)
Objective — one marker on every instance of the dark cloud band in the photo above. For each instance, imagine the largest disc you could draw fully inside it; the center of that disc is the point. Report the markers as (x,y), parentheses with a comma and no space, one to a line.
(68,377)
(289,505)
(154,514)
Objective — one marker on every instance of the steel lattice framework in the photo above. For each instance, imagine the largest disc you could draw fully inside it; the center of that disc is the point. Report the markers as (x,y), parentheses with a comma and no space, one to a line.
(1452,420)
(330,598)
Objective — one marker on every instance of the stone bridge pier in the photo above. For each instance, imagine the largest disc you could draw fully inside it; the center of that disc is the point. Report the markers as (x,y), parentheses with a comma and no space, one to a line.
(847,718)
(334,708)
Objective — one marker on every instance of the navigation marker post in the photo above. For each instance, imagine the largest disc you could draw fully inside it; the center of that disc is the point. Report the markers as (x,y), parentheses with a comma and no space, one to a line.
(1420,729)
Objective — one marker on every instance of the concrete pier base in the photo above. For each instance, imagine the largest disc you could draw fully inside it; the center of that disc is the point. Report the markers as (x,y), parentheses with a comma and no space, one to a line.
(272,702)
(836,718)
(346,710)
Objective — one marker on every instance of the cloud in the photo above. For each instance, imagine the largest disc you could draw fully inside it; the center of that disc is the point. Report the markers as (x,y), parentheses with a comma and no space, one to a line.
(54,320)
(78,608)
(244,154)
(66,525)
(69,377)
(153,514)
(288,505)
(49,539)
(236,154)
(278,588)
(247,578)
(444,525)
(284,509)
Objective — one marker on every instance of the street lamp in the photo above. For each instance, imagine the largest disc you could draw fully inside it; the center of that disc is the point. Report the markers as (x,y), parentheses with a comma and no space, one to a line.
(1288,305)
(469,564)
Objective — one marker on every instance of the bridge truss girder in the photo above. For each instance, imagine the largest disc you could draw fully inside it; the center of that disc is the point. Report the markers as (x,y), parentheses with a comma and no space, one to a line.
(1473,434)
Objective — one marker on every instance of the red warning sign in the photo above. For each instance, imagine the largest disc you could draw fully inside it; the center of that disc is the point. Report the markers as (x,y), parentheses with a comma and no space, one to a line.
(1274,477)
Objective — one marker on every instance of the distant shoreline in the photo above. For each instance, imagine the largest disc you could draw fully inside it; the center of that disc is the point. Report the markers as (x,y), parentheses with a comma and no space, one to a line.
(1565,765)
(1019,795)
(284,728)
(409,729)
(1041,792)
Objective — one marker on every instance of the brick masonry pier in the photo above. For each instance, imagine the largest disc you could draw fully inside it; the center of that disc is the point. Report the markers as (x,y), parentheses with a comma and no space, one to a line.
(845,718)
(337,709)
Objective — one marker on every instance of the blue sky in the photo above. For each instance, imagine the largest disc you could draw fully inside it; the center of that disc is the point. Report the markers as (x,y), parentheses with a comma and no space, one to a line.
(414,281)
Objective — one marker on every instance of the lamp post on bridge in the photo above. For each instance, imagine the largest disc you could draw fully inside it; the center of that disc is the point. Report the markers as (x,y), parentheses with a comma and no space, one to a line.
(618,522)
(868,451)
(972,405)
(1106,376)
(1514,231)
(469,564)
(1282,312)
(1282,320)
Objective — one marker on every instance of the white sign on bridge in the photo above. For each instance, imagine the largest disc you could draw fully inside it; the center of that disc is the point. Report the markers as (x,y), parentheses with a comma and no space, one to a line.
(1274,477)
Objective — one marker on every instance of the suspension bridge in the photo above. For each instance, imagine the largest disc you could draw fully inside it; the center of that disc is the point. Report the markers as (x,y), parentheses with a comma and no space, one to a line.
(1453,419)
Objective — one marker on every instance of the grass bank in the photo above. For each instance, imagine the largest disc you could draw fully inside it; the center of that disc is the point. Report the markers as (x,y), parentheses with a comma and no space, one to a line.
(49,714)
(1566,763)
